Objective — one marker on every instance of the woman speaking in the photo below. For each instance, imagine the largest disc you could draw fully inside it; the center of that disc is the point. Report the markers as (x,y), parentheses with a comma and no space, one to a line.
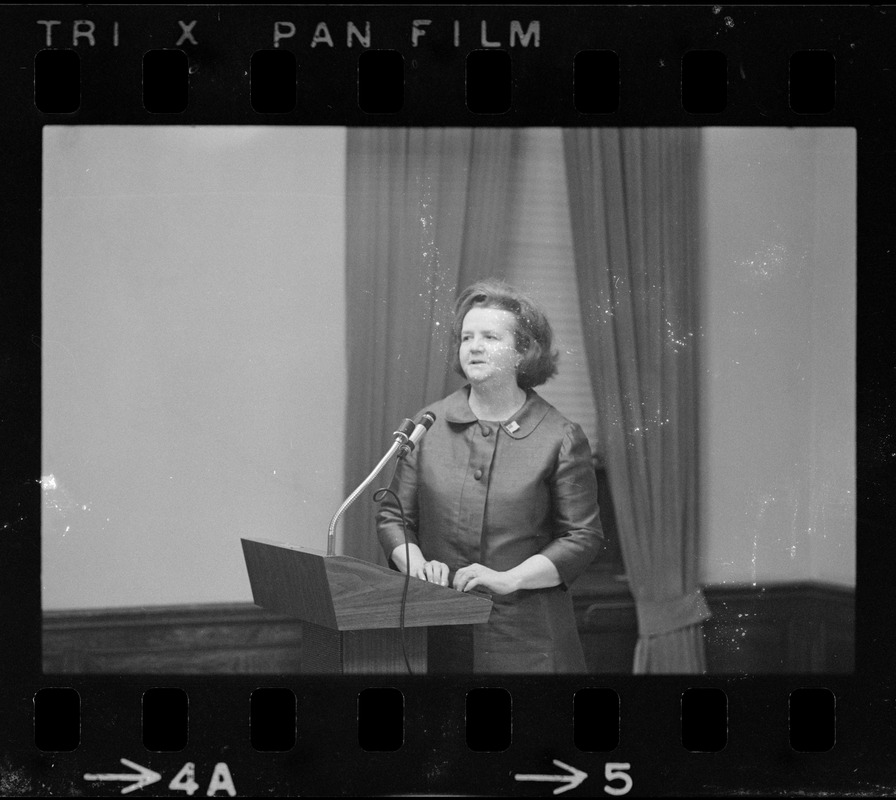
(500,495)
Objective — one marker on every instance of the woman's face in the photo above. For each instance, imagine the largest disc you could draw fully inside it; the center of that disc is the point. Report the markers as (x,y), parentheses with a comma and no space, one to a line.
(488,351)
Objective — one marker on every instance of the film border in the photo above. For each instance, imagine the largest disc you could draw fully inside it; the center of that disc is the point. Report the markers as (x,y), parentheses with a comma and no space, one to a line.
(650,41)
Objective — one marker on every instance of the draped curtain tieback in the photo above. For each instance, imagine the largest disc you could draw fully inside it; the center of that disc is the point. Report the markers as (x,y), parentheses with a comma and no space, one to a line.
(656,617)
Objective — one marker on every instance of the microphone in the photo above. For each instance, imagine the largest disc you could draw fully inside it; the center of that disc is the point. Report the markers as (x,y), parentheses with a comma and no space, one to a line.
(422,427)
(403,434)
(403,445)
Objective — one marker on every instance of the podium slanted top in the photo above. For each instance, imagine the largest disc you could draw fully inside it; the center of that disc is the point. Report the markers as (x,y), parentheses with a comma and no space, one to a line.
(345,593)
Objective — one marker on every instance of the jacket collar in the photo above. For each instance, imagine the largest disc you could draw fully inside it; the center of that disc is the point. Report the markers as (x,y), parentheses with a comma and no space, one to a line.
(526,420)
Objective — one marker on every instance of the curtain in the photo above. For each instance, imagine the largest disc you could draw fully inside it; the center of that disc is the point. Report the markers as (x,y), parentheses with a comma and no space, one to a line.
(425,216)
(634,222)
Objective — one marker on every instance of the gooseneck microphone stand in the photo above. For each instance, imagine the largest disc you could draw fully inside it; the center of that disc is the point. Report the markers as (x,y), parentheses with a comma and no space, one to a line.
(402,440)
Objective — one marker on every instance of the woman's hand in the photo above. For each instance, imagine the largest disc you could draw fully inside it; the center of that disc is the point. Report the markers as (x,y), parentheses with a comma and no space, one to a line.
(474,575)
(433,571)
(536,572)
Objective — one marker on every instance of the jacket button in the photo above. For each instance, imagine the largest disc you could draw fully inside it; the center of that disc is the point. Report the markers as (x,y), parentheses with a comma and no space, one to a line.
(478,474)
(486,431)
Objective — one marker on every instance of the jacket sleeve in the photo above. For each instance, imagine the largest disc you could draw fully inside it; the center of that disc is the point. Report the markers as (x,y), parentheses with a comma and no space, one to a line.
(388,519)
(577,529)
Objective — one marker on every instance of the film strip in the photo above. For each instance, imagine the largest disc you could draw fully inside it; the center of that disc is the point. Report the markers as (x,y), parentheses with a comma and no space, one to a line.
(82,716)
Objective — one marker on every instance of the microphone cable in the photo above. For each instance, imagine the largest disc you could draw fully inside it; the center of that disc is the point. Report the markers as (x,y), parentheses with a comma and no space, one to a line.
(378,496)
(420,428)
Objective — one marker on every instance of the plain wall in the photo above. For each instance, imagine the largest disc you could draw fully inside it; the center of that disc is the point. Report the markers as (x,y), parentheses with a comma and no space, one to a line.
(193,355)
(777,387)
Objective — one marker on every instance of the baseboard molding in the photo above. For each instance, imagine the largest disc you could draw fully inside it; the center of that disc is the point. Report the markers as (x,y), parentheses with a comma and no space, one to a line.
(775,628)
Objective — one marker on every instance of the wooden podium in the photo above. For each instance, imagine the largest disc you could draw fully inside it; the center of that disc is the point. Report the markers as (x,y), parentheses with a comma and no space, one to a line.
(350,608)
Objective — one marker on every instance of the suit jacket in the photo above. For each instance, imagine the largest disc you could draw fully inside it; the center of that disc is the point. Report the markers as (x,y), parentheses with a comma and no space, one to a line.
(496,494)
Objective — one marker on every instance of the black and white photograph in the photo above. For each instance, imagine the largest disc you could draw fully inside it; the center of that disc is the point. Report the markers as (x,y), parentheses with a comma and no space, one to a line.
(448,400)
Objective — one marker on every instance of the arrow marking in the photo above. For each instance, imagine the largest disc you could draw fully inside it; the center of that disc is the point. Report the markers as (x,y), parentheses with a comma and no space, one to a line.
(573,779)
(143,777)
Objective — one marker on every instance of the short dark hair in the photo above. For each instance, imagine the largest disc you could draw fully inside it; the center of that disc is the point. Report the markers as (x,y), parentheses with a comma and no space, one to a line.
(534,336)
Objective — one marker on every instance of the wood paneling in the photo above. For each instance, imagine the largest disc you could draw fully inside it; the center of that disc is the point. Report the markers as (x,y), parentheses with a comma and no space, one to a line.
(607,623)
(372,647)
(754,630)
(225,639)
(790,628)
(361,652)
(780,628)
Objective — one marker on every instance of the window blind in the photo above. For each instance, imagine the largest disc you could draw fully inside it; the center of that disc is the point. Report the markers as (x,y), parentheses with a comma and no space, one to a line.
(539,261)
